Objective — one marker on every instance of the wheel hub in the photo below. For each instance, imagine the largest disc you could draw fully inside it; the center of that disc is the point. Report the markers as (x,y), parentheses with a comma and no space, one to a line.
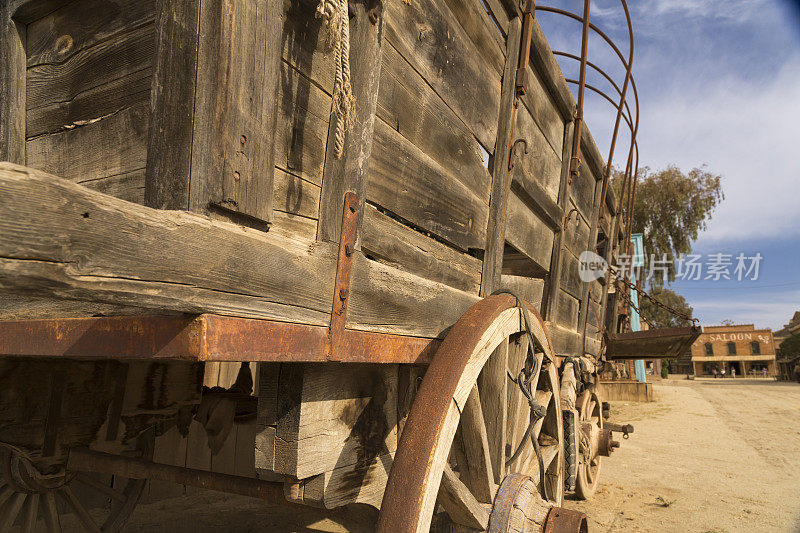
(23,476)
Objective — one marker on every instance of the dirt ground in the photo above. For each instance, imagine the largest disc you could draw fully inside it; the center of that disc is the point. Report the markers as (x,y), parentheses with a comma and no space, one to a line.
(706,457)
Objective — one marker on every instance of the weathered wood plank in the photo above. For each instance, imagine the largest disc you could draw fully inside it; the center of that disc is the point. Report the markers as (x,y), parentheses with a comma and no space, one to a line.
(302,126)
(385,299)
(244,120)
(576,235)
(347,416)
(498,204)
(583,191)
(492,384)
(112,146)
(550,301)
(12,87)
(568,307)
(294,195)
(394,243)
(91,67)
(76,26)
(127,186)
(528,233)
(547,67)
(459,502)
(177,261)
(529,288)
(409,105)
(427,34)
(408,183)
(482,31)
(541,165)
(167,260)
(349,171)
(92,104)
(477,473)
(170,140)
(303,43)
(570,281)
(539,103)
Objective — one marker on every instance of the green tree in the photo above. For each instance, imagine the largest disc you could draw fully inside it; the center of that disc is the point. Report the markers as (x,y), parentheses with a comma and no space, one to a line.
(790,346)
(671,208)
(661,318)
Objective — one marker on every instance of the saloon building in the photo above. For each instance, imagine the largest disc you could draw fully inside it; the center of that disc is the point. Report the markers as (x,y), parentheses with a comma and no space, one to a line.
(739,349)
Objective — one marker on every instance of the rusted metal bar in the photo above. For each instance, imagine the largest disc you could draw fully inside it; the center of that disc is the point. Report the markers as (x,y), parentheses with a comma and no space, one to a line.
(201,338)
(574,164)
(341,292)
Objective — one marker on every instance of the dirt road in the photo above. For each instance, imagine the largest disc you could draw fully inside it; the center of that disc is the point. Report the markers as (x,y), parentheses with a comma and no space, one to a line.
(706,457)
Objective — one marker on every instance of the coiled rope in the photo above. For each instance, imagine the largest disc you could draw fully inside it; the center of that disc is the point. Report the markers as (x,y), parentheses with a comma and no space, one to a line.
(334,15)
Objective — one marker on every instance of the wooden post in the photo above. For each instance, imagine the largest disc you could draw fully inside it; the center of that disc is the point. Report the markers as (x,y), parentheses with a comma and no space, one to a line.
(596,213)
(550,303)
(169,143)
(349,172)
(212,131)
(12,87)
(495,231)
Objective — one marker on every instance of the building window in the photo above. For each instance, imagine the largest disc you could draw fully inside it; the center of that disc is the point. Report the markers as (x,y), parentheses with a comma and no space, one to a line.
(755,348)
(709,349)
(731,348)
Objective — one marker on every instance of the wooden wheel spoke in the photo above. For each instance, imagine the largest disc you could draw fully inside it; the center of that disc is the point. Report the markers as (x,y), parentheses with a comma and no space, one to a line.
(478,474)
(11,511)
(543,398)
(80,511)
(460,504)
(5,493)
(31,513)
(549,453)
(50,513)
(493,383)
(100,487)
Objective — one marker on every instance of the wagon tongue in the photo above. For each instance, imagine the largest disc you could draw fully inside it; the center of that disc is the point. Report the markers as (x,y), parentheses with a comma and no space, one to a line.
(651,344)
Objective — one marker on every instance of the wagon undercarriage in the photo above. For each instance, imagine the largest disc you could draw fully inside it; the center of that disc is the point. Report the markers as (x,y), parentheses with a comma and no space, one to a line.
(242,282)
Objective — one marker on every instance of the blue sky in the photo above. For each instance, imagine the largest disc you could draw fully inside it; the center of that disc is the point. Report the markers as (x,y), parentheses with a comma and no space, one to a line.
(719,84)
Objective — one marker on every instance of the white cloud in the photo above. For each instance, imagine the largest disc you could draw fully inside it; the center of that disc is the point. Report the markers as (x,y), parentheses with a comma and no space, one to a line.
(749,133)
(771,310)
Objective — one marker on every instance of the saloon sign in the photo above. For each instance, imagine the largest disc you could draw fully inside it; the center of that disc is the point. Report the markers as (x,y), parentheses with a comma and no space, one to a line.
(727,337)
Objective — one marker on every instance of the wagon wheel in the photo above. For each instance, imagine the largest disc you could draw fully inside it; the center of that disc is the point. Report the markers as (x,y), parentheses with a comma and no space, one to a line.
(467,420)
(590,423)
(28,495)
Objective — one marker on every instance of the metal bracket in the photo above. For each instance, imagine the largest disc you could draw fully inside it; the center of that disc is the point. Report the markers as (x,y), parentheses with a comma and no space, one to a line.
(341,287)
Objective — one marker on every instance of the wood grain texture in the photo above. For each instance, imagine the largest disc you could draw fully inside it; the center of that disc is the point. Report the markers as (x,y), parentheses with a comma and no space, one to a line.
(169,153)
(244,123)
(350,172)
(492,384)
(12,87)
(167,260)
(496,224)
(344,415)
(112,146)
(302,126)
(421,32)
(545,64)
(541,164)
(408,183)
(460,504)
(541,106)
(550,302)
(408,104)
(387,300)
(400,246)
(529,288)
(528,233)
(485,35)
(295,195)
(85,23)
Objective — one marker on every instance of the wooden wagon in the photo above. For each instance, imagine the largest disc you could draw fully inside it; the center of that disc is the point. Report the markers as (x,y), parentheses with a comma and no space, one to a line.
(222,267)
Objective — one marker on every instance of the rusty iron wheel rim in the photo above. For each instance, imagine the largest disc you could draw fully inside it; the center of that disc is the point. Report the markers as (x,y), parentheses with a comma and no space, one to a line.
(424,451)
